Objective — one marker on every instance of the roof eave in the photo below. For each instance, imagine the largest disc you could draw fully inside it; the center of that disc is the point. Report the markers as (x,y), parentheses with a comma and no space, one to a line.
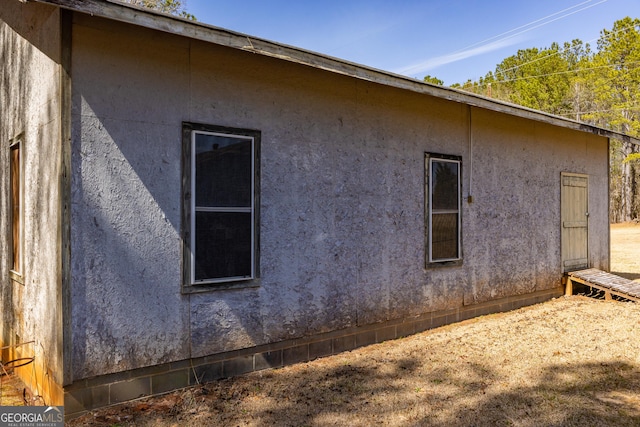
(175,25)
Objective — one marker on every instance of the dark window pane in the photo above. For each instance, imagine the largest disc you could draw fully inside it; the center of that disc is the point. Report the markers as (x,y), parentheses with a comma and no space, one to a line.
(444,185)
(223,245)
(223,171)
(444,237)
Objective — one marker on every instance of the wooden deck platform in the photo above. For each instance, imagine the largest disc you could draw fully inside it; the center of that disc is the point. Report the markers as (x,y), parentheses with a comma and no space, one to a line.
(607,282)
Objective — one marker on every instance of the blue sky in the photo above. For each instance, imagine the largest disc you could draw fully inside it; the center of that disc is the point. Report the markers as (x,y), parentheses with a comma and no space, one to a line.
(453,40)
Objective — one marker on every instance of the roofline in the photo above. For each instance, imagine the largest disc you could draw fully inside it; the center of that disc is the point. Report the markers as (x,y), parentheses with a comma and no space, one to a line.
(130,14)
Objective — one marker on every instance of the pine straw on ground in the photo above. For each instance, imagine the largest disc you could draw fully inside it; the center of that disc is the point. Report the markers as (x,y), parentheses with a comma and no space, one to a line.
(572,361)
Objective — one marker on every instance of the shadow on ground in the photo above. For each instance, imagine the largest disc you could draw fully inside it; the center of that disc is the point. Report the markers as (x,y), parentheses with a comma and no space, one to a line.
(630,276)
(579,395)
(583,394)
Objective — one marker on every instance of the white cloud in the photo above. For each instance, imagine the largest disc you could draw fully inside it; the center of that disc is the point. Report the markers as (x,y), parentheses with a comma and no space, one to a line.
(432,63)
(505,39)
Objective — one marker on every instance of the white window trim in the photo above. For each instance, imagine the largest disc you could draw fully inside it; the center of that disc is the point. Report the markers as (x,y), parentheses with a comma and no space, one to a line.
(430,261)
(195,209)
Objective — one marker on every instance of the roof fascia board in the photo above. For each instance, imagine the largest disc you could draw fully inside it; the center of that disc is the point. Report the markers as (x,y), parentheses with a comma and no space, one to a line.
(211,34)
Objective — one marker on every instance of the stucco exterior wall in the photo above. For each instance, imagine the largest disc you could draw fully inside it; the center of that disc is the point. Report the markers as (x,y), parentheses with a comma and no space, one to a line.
(30,111)
(515,216)
(127,310)
(342,199)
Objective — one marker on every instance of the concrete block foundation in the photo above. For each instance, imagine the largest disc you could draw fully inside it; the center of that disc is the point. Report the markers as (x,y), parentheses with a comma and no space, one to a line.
(107,390)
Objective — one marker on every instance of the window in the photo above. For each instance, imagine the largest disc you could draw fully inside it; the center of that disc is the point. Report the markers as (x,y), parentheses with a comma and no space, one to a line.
(443,237)
(220,190)
(15,200)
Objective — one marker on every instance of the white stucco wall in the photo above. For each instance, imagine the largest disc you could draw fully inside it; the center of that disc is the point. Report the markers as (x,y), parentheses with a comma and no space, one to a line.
(342,199)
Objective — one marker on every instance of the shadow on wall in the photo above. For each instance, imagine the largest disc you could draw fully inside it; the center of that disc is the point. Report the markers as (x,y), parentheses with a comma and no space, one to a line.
(27,20)
(128,310)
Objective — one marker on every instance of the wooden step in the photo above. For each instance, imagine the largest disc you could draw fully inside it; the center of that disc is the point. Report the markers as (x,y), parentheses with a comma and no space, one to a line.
(607,282)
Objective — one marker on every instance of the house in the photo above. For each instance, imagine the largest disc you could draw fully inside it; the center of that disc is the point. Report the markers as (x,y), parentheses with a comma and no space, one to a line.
(182,203)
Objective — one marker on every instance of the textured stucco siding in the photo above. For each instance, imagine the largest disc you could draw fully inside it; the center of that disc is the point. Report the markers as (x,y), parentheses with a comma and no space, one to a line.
(514,242)
(127,310)
(342,199)
(30,110)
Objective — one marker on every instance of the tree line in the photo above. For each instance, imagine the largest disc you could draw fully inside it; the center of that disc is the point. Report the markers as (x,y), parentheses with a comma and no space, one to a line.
(600,87)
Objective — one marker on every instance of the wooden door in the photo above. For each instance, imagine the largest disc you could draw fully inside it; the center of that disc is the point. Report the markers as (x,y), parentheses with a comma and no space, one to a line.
(575,221)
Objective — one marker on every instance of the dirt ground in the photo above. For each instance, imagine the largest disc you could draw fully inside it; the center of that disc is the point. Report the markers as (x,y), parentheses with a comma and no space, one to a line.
(568,362)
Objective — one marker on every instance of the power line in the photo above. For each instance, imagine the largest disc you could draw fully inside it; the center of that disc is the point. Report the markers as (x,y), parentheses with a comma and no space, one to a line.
(577,70)
(610,110)
(501,38)
(553,54)
(490,39)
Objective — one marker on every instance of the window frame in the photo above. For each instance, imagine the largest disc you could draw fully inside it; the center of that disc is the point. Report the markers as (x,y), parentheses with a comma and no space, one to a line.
(16,269)
(189,283)
(430,261)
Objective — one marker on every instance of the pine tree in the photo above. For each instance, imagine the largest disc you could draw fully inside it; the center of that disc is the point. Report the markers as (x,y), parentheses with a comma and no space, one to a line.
(173,7)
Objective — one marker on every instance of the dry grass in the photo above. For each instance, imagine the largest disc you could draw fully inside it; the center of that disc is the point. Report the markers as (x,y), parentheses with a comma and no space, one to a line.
(625,250)
(568,362)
